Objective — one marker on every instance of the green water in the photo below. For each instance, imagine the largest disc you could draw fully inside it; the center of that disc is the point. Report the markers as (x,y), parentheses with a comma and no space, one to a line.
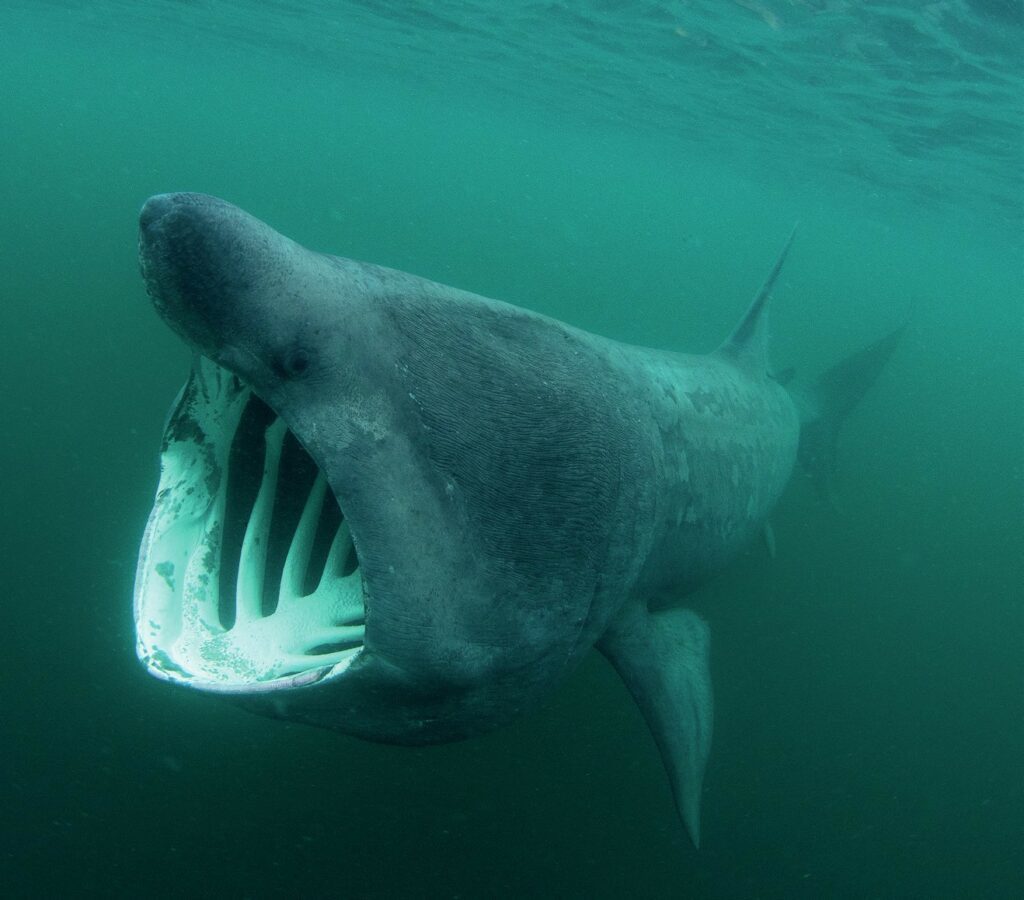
(633,168)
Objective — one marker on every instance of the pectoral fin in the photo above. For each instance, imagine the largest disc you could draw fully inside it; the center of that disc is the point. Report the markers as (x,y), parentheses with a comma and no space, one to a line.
(663,659)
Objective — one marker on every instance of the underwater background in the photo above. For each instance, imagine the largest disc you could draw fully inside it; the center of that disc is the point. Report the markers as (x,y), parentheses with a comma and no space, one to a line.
(632,168)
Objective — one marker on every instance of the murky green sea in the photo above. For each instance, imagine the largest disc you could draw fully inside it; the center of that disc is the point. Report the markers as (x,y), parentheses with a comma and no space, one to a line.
(633,168)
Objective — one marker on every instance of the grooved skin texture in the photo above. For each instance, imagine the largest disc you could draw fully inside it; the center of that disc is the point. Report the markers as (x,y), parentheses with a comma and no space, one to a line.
(555,445)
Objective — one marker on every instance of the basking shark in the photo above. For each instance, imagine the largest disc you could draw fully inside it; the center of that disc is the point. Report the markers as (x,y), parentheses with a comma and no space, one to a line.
(405,512)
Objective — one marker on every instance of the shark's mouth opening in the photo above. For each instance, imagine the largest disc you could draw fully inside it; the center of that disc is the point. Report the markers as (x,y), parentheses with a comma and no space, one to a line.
(248,578)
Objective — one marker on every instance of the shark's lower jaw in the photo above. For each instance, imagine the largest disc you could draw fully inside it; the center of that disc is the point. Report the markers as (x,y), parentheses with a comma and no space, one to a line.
(248,579)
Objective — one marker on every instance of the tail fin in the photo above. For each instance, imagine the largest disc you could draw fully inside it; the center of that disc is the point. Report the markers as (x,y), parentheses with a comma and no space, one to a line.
(826,403)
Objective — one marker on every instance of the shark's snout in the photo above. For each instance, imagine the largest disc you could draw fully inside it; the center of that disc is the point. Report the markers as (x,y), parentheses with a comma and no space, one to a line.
(152,245)
(178,227)
(154,209)
(196,256)
(168,257)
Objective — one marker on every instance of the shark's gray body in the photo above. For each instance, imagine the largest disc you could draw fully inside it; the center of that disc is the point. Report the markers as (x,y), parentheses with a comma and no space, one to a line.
(516,491)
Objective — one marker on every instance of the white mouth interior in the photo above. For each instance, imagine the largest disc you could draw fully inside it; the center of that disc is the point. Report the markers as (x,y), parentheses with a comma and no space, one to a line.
(247,578)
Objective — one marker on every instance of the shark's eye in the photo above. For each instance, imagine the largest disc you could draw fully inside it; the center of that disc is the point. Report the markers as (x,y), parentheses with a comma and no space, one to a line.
(296,363)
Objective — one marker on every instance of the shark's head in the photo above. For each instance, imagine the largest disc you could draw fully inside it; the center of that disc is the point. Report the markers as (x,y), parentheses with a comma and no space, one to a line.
(385,506)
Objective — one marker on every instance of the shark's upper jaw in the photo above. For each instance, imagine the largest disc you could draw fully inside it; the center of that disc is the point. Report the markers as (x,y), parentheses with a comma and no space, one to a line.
(248,580)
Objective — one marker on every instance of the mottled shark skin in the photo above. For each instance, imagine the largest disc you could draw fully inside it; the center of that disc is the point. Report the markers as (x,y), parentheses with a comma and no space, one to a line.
(510,492)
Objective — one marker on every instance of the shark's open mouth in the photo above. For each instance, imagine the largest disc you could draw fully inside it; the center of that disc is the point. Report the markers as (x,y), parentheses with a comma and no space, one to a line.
(248,578)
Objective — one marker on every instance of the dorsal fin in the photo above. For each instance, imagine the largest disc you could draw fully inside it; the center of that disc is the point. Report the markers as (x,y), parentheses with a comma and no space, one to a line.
(747,346)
